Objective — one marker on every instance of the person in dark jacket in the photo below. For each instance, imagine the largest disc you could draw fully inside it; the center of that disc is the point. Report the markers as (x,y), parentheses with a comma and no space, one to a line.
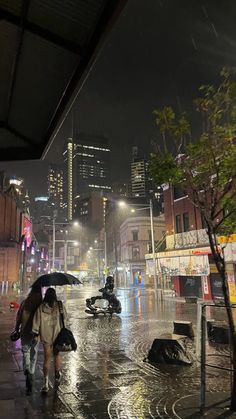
(29,345)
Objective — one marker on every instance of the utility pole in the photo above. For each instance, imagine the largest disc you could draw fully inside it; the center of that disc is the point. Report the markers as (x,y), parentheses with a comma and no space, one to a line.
(65,256)
(153,246)
(53,240)
(105,250)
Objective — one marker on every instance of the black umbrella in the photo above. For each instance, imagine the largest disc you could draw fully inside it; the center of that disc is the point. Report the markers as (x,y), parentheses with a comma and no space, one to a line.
(55,278)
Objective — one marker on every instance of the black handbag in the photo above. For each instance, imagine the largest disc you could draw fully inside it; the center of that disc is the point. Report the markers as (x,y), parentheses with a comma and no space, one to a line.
(65,341)
(15,335)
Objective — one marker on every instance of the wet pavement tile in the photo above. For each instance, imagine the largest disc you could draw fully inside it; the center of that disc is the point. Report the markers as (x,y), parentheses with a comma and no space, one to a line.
(106,377)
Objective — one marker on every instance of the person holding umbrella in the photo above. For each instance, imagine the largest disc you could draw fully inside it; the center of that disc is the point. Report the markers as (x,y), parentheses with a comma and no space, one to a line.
(29,345)
(47,325)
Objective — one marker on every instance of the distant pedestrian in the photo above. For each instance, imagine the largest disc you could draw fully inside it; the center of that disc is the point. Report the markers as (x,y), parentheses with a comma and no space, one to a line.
(29,345)
(47,324)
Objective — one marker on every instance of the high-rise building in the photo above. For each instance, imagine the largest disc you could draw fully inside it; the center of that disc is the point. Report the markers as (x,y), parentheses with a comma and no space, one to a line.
(70,178)
(87,162)
(40,208)
(122,189)
(142,185)
(92,164)
(56,186)
(22,195)
(139,175)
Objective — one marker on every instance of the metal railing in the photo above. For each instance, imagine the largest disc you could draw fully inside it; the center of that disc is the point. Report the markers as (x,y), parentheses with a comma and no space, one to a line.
(201,350)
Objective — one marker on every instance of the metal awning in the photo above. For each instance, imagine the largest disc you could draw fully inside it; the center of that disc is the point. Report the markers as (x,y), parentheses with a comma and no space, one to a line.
(46,48)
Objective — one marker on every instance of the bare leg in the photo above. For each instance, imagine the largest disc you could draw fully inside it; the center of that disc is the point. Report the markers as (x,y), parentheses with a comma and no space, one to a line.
(57,367)
(46,365)
(57,362)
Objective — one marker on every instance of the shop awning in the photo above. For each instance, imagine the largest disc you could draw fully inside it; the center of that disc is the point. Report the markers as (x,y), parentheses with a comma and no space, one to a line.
(187,262)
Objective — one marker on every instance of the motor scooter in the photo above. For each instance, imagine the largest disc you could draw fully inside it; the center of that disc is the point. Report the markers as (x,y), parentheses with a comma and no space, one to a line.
(112,306)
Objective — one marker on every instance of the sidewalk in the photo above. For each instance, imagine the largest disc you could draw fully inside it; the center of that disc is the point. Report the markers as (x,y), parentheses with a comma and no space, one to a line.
(106,377)
(13,400)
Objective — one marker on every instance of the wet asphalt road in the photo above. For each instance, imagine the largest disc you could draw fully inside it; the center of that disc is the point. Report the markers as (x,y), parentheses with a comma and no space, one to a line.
(106,377)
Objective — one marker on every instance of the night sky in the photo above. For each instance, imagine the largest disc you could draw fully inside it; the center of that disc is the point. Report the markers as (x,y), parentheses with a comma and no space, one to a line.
(159,53)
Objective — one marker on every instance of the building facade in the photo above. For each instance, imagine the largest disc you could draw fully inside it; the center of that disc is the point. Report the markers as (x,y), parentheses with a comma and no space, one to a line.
(87,162)
(10,238)
(92,164)
(40,208)
(187,262)
(135,241)
(139,177)
(56,187)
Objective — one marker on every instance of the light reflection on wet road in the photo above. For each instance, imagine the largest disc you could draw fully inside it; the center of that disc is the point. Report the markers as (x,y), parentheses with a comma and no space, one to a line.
(108,372)
(107,377)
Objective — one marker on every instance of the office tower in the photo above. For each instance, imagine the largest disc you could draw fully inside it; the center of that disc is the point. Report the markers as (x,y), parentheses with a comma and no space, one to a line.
(92,164)
(55,187)
(139,175)
(40,208)
(70,179)
(87,163)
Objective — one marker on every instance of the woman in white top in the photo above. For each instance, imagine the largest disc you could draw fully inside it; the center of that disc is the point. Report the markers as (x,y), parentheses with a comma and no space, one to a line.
(47,325)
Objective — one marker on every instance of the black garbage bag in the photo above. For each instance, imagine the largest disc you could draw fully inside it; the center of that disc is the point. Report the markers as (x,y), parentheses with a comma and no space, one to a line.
(169,350)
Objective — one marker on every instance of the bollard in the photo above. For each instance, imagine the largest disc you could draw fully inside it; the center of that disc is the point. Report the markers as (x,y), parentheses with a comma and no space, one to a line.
(182,327)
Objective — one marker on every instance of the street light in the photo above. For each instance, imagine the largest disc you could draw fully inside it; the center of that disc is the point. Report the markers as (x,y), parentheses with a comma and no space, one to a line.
(150,207)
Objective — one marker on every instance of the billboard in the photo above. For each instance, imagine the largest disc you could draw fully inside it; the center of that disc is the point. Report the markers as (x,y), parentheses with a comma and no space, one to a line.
(26,230)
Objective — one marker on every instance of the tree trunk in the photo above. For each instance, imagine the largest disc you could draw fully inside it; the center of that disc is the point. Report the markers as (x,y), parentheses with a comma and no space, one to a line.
(221,270)
(232,337)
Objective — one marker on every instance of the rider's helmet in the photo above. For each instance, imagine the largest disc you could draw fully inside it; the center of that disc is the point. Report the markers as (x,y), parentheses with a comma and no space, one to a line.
(110,280)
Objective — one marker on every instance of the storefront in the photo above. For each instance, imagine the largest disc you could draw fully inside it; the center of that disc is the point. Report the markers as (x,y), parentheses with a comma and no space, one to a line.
(188,268)
(229,244)
(193,272)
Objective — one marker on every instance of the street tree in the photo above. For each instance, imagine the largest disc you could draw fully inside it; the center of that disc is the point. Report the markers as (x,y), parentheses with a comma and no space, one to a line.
(205,169)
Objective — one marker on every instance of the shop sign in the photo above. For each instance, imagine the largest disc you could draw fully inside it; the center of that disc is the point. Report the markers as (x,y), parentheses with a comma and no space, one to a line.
(180,266)
(230,252)
(227,239)
(205,285)
(182,252)
(232,287)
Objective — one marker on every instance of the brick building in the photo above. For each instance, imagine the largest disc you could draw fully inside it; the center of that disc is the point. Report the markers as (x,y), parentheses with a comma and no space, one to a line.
(187,263)
(10,248)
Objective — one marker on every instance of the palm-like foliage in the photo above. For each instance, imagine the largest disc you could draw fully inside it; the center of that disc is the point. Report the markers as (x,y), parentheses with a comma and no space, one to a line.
(205,169)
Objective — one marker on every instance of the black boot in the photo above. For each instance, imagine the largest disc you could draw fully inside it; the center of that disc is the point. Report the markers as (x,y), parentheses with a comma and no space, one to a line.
(28,381)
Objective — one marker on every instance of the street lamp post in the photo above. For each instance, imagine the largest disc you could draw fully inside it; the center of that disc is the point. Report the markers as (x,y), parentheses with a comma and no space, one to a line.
(153,246)
(65,255)
(114,239)
(105,250)
(53,241)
